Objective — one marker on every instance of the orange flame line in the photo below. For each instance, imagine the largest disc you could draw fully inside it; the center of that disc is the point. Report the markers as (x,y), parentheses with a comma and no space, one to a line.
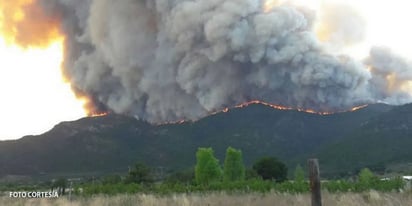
(278,107)
(99,114)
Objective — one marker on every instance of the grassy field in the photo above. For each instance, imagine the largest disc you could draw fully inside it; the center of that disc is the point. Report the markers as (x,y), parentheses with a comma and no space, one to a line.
(224,199)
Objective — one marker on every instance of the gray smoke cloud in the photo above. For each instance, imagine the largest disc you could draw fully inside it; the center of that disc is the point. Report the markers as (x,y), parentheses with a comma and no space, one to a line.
(166,60)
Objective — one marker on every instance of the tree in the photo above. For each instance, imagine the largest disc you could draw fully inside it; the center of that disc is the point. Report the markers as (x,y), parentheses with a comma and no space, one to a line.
(366,177)
(207,167)
(139,174)
(270,168)
(234,169)
(299,174)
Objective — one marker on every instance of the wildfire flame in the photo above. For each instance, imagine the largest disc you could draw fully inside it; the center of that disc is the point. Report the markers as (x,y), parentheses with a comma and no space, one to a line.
(23,23)
(357,108)
(279,107)
(32,52)
(99,114)
(274,106)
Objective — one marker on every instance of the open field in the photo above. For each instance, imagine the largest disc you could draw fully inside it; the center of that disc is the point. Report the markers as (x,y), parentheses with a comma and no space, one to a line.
(224,199)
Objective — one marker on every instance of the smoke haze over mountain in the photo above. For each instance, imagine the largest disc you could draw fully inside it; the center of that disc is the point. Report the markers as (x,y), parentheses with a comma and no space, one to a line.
(166,60)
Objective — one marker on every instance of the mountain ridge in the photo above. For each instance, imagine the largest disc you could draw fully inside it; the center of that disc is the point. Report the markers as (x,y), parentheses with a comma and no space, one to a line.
(114,142)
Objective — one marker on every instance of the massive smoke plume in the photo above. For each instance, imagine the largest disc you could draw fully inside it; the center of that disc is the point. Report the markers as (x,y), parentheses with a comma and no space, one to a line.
(166,60)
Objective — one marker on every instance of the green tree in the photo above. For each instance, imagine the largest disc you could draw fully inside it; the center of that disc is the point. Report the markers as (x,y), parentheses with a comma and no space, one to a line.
(234,169)
(207,167)
(366,177)
(299,174)
(270,168)
(140,173)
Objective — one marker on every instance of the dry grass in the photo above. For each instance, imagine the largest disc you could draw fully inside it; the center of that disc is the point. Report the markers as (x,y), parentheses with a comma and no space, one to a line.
(224,199)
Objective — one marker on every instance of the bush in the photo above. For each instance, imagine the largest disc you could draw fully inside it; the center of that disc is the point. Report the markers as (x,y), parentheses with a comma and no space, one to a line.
(139,174)
(299,174)
(366,177)
(185,177)
(112,179)
(338,186)
(292,187)
(371,183)
(109,189)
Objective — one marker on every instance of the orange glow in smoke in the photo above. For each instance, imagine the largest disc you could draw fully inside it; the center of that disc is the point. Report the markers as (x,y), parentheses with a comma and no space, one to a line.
(35,96)
(269,5)
(22,22)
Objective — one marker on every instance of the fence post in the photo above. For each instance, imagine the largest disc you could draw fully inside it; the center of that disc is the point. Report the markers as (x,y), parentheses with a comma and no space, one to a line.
(314,177)
(70,190)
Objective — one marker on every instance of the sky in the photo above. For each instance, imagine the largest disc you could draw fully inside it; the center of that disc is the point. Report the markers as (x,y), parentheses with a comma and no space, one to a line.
(34,97)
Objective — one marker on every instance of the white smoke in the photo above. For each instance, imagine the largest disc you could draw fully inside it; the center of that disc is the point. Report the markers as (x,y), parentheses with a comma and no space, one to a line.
(165,60)
(341,25)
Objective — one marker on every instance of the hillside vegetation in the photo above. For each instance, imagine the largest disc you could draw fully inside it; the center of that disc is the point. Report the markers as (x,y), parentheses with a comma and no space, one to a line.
(375,135)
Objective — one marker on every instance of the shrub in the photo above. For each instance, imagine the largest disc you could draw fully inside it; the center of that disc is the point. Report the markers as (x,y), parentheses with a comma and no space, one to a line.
(299,174)
(139,174)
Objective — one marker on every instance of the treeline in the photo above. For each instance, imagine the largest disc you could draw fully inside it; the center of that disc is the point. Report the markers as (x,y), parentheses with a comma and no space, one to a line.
(208,169)
(267,174)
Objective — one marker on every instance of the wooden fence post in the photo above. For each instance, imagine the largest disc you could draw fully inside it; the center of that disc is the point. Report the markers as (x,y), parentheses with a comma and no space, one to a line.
(314,177)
